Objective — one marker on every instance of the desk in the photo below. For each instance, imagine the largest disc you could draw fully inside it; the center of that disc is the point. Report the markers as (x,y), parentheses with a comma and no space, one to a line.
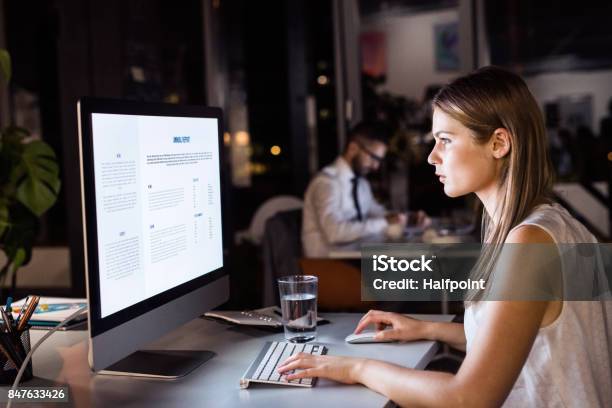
(352,250)
(62,359)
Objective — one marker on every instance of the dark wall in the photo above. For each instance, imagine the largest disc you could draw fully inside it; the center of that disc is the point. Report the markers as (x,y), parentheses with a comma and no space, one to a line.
(269,47)
(66,49)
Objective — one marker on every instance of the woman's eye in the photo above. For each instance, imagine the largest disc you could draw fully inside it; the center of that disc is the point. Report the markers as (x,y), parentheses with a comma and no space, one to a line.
(444,140)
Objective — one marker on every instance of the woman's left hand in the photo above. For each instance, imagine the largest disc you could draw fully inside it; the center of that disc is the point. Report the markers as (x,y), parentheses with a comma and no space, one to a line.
(341,369)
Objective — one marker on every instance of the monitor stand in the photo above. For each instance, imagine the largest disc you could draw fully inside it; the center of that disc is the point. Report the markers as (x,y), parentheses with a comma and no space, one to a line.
(167,364)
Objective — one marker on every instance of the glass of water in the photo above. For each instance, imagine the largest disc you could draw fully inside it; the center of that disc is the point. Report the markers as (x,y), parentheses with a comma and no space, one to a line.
(298,298)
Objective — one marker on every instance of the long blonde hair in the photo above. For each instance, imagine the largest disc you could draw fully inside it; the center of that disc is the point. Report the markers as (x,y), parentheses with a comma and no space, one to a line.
(483,101)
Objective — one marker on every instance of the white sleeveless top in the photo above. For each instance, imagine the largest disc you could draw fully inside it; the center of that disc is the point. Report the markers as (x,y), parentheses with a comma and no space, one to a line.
(570,362)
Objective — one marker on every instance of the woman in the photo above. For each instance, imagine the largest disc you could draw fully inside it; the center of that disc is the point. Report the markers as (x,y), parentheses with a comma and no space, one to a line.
(490,140)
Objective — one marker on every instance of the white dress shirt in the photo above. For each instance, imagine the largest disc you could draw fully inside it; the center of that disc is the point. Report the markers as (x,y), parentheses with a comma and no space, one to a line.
(330,215)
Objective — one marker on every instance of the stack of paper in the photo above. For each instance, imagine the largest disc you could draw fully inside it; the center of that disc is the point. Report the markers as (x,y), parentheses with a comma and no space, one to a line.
(53,310)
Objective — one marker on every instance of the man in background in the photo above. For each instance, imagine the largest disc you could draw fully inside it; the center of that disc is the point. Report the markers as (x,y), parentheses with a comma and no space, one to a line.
(339,206)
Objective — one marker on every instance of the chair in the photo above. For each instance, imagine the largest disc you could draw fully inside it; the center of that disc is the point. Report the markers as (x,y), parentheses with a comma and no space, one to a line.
(268,209)
(282,248)
(339,285)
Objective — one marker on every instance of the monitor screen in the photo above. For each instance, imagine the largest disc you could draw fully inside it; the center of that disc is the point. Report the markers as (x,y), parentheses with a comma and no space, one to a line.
(158,205)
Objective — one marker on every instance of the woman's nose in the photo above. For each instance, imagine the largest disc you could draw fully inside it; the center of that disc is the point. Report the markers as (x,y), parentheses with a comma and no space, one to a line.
(433,157)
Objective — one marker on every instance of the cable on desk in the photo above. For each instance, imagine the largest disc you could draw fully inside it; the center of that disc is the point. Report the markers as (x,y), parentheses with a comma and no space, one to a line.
(38,343)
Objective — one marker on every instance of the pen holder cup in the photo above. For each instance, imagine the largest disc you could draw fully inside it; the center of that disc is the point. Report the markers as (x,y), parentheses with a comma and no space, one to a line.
(13,350)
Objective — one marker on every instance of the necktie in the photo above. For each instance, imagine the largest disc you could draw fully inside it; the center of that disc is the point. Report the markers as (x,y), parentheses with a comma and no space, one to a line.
(355,181)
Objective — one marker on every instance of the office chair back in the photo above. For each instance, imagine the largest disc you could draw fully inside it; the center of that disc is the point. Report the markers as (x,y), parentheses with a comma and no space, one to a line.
(282,249)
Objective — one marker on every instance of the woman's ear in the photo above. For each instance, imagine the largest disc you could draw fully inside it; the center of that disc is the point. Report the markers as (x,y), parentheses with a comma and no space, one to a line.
(500,143)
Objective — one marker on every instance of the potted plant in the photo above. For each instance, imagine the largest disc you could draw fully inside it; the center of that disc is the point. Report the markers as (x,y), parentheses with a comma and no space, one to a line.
(29,186)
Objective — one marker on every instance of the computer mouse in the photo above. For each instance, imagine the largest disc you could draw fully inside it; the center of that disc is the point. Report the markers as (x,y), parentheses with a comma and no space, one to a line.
(365,337)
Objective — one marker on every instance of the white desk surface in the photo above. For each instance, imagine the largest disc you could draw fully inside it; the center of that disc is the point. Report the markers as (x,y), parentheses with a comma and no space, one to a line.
(62,360)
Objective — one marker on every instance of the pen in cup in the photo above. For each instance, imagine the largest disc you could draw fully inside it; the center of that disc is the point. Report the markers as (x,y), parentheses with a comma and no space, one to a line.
(7,355)
(23,307)
(7,321)
(9,302)
(11,351)
(28,313)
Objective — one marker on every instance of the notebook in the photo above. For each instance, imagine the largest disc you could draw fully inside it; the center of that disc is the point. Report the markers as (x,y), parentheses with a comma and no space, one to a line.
(53,310)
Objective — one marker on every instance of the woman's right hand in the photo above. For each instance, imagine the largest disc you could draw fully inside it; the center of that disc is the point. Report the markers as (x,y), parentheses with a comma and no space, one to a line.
(403,328)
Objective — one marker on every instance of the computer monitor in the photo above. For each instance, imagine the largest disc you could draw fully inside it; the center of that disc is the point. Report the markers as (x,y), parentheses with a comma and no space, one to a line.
(151,185)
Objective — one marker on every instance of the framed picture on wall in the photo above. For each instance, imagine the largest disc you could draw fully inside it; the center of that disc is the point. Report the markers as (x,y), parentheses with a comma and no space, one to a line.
(373,53)
(446,46)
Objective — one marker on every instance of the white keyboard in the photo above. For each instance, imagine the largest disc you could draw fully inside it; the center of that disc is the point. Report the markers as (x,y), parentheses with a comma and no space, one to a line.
(263,369)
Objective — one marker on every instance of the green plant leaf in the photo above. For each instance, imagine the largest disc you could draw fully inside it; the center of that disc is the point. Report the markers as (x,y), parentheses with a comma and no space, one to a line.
(4,219)
(18,260)
(14,135)
(22,232)
(5,65)
(39,189)
(11,154)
